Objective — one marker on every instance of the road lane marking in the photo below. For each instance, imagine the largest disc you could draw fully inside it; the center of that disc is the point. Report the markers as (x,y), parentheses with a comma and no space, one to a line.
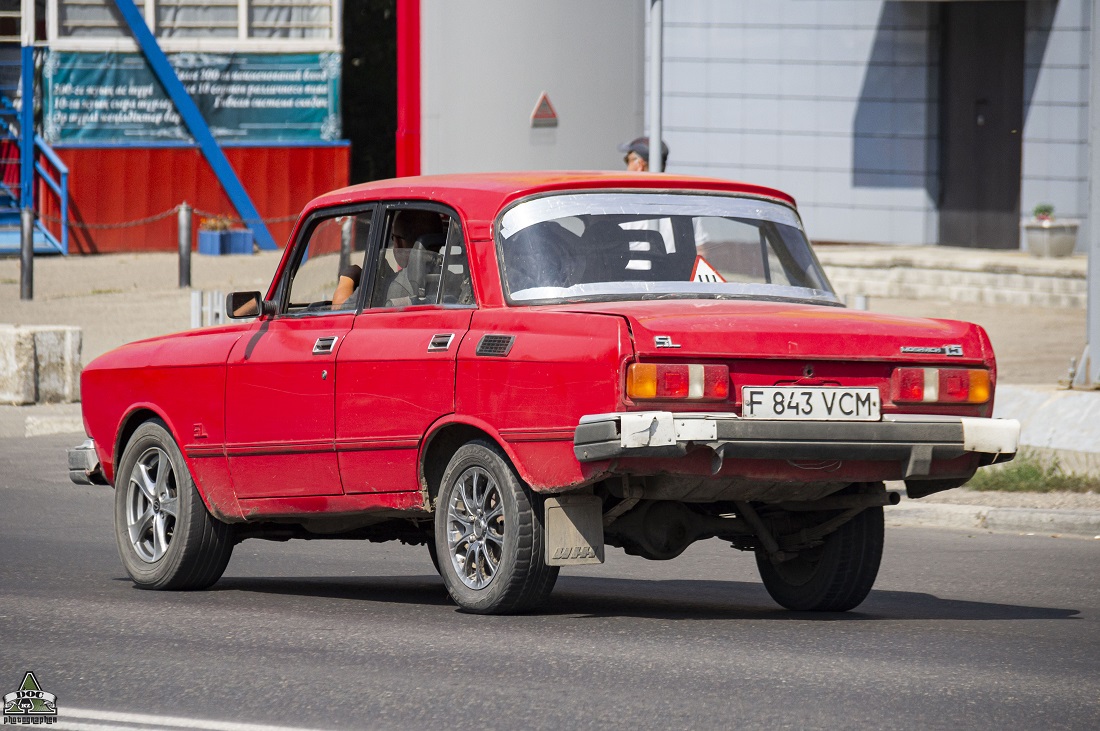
(84,719)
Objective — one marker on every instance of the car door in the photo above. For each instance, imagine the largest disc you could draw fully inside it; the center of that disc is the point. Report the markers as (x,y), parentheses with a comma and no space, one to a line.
(396,368)
(280,386)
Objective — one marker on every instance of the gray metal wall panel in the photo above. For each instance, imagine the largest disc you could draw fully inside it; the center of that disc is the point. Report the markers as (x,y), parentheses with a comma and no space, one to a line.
(1056,78)
(484,64)
(832,101)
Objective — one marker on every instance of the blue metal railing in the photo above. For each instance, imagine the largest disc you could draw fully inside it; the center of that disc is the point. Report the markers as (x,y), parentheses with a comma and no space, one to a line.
(44,165)
(54,173)
(60,188)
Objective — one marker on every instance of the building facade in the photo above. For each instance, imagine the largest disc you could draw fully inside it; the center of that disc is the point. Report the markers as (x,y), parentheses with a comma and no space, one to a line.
(891,122)
(264,76)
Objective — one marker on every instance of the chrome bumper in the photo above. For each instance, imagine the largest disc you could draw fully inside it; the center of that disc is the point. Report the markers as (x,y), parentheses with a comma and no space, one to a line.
(84,467)
(916,440)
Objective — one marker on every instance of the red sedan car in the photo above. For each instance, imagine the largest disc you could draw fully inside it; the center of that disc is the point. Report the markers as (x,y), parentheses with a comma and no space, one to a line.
(519,369)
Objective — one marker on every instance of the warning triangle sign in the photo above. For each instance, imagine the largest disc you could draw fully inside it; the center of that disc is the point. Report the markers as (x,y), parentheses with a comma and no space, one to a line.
(704,272)
(544,114)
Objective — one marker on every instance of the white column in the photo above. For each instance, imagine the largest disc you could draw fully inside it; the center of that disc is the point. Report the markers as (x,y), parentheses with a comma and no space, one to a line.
(656,56)
(1091,360)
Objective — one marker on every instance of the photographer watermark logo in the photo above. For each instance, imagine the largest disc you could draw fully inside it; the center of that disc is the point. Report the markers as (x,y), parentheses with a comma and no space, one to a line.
(30,704)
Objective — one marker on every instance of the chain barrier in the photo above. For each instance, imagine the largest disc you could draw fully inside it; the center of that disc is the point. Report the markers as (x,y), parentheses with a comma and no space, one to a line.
(233,219)
(160,216)
(107,226)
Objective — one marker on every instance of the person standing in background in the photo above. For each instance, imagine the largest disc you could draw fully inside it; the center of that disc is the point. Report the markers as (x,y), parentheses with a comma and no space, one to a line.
(637,155)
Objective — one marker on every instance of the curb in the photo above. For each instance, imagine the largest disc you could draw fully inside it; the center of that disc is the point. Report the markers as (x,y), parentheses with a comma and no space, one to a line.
(41,426)
(1084,523)
(40,420)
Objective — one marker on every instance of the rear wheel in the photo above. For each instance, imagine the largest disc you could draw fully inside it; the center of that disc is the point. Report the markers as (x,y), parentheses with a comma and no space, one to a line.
(488,534)
(833,577)
(166,538)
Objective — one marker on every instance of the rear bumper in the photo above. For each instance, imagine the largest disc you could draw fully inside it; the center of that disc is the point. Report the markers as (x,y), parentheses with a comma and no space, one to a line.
(914,440)
(84,467)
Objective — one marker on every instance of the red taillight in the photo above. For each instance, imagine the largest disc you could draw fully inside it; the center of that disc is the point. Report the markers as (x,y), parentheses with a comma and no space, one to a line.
(908,384)
(940,385)
(655,381)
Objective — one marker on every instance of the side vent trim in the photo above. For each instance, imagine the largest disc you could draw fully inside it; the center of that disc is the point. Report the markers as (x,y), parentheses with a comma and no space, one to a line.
(495,346)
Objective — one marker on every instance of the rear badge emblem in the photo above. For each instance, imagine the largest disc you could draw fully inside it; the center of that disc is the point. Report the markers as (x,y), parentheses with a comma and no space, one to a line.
(664,341)
(956,350)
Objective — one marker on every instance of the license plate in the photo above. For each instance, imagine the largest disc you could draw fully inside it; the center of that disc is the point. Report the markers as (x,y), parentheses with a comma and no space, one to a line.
(810,403)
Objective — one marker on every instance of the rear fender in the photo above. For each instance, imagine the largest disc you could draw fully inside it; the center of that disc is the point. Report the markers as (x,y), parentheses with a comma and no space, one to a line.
(546,465)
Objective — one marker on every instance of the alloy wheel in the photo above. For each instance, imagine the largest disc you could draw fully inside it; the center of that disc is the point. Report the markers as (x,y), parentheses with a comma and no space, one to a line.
(475,528)
(152,504)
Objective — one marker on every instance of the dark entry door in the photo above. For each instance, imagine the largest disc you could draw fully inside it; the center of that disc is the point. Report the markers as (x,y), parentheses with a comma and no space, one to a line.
(981,123)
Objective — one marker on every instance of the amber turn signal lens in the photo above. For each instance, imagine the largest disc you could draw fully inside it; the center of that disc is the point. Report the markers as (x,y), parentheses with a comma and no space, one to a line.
(649,381)
(641,381)
(980,388)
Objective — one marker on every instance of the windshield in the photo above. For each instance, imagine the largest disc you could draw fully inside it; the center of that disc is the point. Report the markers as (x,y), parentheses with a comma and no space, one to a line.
(641,245)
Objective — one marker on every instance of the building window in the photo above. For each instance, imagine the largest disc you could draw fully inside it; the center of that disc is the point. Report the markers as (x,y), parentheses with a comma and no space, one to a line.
(191,19)
(290,18)
(91,18)
(193,25)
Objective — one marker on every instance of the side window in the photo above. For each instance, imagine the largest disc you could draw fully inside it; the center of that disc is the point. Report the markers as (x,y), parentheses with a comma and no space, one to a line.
(457,289)
(739,251)
(409,269)
(329,272)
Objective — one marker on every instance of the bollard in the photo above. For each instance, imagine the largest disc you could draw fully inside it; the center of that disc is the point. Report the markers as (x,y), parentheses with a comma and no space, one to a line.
(184,234)
(217,307)
(26,254)
(196,308)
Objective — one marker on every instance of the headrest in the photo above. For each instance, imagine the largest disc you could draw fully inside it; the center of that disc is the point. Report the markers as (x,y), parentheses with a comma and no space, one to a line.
(432,241)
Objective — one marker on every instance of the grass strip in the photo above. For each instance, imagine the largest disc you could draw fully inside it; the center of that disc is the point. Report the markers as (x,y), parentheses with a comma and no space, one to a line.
(1029,473)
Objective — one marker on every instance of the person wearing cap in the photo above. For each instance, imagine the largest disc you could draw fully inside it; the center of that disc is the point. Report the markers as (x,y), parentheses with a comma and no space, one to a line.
(637,161)
(637,154)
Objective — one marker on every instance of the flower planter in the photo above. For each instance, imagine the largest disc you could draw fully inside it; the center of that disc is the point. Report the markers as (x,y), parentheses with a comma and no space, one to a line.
(233,241)
(210,242)
(1051,238)
(237,241)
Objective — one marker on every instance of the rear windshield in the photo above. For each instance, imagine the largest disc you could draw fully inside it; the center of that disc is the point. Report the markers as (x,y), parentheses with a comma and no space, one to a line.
(642,245)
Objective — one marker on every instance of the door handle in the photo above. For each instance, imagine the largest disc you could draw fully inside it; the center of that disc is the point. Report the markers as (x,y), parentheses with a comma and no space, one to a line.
(325,345)
(440,343)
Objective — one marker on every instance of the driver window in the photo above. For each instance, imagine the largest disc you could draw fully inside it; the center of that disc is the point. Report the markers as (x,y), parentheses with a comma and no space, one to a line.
(411,262)
(330,269)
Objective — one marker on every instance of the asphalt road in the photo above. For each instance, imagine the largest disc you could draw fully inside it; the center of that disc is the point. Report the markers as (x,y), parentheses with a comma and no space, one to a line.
(961,631)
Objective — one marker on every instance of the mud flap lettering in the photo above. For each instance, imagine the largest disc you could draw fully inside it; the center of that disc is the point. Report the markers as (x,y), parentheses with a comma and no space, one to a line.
(574,530)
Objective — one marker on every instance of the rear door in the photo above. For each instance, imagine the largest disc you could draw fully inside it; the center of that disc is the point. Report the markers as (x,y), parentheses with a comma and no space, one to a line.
(396,368)
(280,387)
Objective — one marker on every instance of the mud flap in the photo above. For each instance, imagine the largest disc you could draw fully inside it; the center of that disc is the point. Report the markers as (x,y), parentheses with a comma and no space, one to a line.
(574,530)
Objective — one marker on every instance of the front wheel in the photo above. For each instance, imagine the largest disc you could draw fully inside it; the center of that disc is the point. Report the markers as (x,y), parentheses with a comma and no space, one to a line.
(488,533)
(834,577)
(166,537)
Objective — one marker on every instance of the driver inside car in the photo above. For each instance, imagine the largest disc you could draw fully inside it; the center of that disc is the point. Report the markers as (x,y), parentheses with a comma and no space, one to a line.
(415,237)
(409,227)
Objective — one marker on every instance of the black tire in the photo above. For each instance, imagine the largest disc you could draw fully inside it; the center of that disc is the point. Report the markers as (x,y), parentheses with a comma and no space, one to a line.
(510,544)
(834,577)
(159,550)
(433,554)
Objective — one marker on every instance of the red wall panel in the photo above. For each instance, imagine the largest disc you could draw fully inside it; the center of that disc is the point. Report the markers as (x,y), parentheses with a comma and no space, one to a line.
(115,186)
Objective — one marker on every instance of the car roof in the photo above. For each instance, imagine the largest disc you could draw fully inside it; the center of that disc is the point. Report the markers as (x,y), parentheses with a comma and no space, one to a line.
(482,195)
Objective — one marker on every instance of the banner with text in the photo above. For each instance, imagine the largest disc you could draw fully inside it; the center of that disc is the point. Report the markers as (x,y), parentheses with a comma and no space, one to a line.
(245,97)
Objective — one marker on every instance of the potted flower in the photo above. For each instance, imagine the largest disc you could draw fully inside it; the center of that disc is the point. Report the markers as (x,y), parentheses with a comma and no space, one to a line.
(1047,237)
(212,235)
